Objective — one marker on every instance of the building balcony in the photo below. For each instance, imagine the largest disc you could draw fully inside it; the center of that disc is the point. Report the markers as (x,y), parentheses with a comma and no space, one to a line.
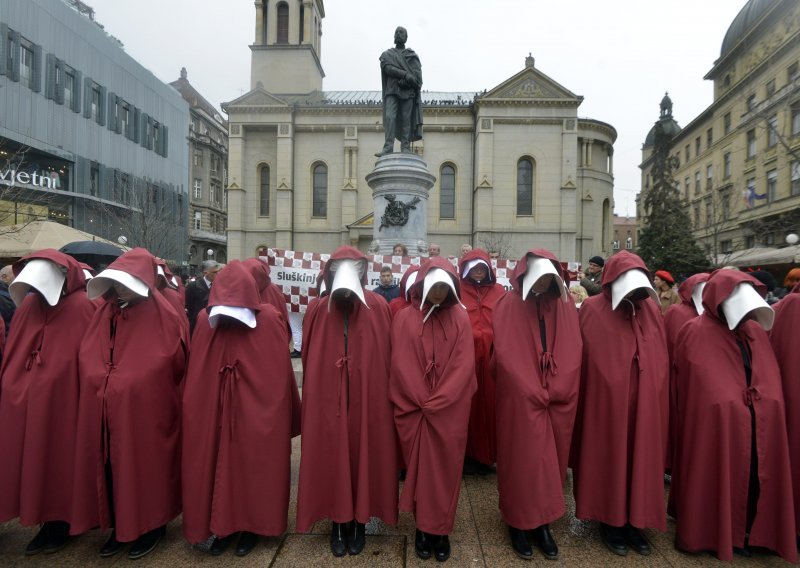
(208,236)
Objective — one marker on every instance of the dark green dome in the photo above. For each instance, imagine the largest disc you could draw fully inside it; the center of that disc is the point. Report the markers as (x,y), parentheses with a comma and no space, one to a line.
(743,22)
(668,123)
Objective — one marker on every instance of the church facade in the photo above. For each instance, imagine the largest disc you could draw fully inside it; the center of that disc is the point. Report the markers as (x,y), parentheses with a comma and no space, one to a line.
(515,167)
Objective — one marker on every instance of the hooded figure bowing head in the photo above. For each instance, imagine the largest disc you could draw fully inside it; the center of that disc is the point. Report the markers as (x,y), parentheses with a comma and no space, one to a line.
(432,383)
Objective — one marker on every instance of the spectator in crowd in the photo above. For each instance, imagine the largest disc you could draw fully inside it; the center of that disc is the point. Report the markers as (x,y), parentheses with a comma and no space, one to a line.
(731,473)
(592,279)
(240,410)
(664,284)
(7,306)
(621,426)
(465,248)
(197,291)
(578,295)
(432,383)
(768,280)
(400,250)
(387,289)
(537,359)
(789,283)
(480,293)
(132,361)
(39,396)
(348,465)
(434,250)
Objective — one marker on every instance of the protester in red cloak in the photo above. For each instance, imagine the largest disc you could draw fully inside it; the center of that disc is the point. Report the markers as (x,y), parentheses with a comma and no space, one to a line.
(479,294)
(348,465)
(431,386)
(621,425)
(132,361)
(402,300)
(269,293)
(171,288)
(731,473)
(690,293)
(39,397)
(783,337)
(537,360)
(239,404)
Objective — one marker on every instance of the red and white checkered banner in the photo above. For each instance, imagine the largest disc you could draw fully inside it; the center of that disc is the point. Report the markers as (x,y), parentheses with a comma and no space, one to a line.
(296,272)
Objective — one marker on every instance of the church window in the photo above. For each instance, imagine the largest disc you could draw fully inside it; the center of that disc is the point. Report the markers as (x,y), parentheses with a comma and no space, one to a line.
(320,193)
(283,22)
(525,176)
(447,192)
(263,207)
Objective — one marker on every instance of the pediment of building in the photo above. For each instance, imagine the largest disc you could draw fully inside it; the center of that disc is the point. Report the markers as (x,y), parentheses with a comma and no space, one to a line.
(257,98)
(530,84)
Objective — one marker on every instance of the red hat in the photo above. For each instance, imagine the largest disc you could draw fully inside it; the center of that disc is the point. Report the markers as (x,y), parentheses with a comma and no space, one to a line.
(666,276)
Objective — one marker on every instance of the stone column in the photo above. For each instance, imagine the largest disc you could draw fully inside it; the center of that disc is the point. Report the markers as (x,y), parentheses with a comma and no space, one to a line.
(400,184)
(259,23)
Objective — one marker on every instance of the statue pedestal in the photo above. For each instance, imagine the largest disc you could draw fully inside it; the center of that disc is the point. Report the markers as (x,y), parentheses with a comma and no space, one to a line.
(400,184)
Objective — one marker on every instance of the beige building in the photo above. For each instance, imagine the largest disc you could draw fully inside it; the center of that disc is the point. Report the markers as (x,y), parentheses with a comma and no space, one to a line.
(739,160)
(208,163)
(515,167)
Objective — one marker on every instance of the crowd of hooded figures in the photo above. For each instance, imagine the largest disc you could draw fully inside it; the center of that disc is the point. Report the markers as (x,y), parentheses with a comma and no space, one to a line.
(115,418)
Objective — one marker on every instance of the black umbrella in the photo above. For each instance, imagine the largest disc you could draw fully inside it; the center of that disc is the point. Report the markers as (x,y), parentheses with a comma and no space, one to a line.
(95,253)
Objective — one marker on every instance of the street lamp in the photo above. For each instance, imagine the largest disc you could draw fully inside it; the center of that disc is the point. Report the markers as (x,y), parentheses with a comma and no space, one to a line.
(210,253)
(792,238)
(123,240)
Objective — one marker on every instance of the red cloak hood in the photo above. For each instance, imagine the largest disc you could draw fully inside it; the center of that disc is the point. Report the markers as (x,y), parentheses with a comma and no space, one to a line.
(435,262)
(477,254)
(74,273)
(234,286)
(619,263)
(688,285)
(259,270)
(522,267)
(343,253)
(721,284)
(140,263)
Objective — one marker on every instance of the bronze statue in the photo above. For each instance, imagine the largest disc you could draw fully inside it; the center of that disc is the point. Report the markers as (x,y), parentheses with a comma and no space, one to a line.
(401,80)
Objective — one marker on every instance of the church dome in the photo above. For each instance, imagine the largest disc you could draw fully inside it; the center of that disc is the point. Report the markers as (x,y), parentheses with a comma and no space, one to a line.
(743,23)
(668,123)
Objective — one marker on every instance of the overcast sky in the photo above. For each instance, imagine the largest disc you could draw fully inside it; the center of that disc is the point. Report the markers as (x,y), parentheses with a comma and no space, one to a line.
(620,55)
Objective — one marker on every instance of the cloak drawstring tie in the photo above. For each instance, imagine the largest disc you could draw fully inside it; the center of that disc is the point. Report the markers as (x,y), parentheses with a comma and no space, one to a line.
(34,357)
(430,373)
(751,394)
(229,375)
(343,364)
(548,366)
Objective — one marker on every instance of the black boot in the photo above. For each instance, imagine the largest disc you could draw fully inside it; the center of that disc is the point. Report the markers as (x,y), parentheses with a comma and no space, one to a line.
(441,550)
(57,536)
(221,544)
(636,540)
(358,538)
(423,545)
(339,539)
(543,538)
(614,539)
(38,543)
(146,543)
(247,542)
(112,546)
(520,544)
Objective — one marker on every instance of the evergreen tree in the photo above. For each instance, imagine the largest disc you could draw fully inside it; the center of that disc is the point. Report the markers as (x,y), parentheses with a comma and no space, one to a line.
(666,242)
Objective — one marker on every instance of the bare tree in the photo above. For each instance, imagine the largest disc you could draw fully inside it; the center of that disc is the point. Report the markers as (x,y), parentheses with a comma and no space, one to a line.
(499,243)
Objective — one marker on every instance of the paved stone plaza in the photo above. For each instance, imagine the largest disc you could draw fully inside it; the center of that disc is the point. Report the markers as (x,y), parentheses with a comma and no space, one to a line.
(479,539)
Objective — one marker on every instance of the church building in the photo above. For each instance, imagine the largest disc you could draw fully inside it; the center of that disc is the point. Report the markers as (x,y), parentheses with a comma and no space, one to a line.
(515,167)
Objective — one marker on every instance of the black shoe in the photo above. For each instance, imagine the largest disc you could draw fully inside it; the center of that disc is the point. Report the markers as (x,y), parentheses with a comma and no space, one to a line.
(543,538)
(295,354)
(247,542)
(423,545)
(636,540)
(146,543)
(520,544)
(614,538)
(339,539)
(358,538)
(441,550)
(38,543)
(744,552)
(221,544)
(470,466)
(112,546)
(57,536)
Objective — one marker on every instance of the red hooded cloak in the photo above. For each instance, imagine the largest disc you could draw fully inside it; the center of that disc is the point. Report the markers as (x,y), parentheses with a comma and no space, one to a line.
(431,386)
(130,410)
(783,336)
(537,397)
(400,302)
(677,315)
(348,464)
(239,404)
(39,399)
(711,468)
(480,301)
(268,292)
(172,292)
(621,425)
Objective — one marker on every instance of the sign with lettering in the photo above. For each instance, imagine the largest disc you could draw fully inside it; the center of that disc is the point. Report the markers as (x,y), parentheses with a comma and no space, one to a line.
(13,176)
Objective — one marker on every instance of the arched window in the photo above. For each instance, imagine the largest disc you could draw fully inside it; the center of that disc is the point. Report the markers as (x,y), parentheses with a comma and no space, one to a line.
(447,192)
(320,194)
(283,22)
(526,171)
(263,207)
(606,236)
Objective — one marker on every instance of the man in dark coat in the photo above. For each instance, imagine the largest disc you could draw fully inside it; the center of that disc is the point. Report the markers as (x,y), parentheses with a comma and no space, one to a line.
(731,475)
(197,291)
(387,289)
